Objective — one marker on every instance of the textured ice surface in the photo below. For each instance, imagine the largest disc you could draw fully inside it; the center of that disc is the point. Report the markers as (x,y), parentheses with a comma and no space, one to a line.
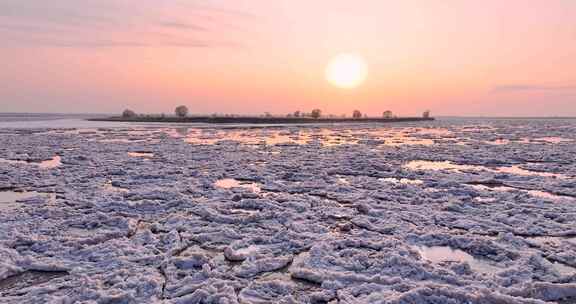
(291,214)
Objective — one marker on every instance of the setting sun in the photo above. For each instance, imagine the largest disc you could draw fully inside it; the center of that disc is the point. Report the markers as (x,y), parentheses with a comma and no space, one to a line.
(347,71)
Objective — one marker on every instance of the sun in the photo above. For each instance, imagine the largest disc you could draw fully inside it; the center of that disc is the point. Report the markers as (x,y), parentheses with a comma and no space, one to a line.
(347,71)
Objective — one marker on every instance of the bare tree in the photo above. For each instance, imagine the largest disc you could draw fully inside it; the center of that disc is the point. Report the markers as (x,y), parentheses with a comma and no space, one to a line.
(129,114)
(356,114)
(387,114)
(297,114)
(181,111)
(316,113)
(426,114)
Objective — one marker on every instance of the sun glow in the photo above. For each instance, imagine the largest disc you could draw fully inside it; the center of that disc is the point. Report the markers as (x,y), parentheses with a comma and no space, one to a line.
(347,71)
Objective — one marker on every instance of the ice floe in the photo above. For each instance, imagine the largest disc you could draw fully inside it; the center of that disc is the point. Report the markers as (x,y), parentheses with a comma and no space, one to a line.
(451,211)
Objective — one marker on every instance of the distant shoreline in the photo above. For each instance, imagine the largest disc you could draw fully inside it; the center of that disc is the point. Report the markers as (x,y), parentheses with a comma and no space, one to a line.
(258,120)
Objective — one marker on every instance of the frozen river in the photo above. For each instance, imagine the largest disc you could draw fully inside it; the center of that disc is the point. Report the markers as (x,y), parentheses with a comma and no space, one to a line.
(451,211)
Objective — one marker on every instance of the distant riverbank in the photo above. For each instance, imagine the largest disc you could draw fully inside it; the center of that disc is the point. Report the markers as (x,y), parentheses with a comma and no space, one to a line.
(258,120)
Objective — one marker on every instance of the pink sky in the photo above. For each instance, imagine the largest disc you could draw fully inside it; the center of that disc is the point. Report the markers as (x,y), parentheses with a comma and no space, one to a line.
(454,57)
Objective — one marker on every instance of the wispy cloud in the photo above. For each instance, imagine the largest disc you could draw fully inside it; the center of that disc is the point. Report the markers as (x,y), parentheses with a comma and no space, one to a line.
(114,23)
(526,87)
(114,44)
(181,25)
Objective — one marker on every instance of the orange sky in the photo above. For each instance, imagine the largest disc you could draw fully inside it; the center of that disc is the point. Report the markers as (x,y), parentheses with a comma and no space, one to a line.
(455,57)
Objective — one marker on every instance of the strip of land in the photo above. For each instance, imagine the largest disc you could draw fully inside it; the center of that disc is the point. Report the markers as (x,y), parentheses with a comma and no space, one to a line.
(259,120)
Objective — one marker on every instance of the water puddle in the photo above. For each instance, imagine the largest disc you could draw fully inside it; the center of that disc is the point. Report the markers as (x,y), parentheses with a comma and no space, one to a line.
(141,154)
(123,140)
(502,141)
(547,195)
(547,140)
(408,141)
(13,196)
(439,166)
(56,161)
(435,131)
(552,140)
(84,131)
(439,254)
(450,166)
(314,136)
(13,162)
(535,193)
(10,199)
(519,171)
(230,183)
(265,137)
(47,164)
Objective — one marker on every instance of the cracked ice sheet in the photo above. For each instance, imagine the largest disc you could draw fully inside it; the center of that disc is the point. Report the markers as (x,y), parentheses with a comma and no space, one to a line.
(314,214)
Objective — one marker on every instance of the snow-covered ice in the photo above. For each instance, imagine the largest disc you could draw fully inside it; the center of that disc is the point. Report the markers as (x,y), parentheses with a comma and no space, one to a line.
(452,211)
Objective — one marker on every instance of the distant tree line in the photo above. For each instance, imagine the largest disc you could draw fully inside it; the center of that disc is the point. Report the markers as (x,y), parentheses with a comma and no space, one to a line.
(182,112)
(356,114)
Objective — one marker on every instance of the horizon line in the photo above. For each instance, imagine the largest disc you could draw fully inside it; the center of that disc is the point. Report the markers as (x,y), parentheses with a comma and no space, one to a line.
(200,114)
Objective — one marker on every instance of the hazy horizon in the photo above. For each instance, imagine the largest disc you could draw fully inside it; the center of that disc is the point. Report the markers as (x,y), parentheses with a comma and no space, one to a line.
(103,114)
(455,58)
